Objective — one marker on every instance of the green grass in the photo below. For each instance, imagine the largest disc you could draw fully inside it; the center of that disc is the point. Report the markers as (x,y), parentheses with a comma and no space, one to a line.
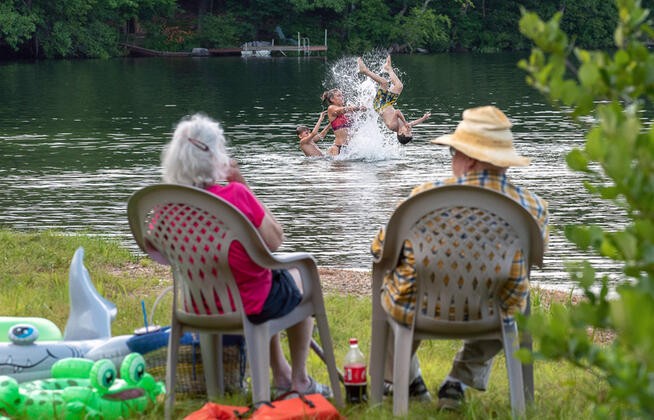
(34,278)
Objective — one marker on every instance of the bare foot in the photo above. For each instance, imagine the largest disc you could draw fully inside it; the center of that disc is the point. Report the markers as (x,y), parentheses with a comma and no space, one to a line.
(362,67)
(387,64)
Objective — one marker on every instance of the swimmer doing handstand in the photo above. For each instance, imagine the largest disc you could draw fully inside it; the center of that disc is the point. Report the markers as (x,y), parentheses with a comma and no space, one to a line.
(385,99)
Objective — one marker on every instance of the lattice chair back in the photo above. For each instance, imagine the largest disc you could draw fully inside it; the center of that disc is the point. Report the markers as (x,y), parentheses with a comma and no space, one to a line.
(196,242)
(464,240)
(193,234)
(463,257)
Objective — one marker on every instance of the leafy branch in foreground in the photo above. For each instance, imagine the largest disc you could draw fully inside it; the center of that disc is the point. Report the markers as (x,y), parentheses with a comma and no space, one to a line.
(617,161)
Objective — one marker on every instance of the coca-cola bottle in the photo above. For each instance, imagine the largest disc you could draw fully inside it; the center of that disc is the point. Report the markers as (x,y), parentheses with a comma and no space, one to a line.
(354,374)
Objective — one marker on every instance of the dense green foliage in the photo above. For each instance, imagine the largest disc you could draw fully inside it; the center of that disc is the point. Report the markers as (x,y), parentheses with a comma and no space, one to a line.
(71,28)
(617,160)
(94,28)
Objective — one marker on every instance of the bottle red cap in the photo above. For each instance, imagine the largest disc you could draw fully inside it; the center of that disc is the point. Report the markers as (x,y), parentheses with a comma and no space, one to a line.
(354,341)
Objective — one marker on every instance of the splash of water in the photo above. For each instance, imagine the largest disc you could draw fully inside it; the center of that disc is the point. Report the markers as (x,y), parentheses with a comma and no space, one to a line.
(370,140)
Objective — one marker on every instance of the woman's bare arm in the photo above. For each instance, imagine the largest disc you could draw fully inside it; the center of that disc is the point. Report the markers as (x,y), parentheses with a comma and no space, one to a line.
(270,229)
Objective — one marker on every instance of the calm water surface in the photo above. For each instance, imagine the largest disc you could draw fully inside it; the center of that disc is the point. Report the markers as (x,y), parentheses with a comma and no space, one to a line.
(78,137)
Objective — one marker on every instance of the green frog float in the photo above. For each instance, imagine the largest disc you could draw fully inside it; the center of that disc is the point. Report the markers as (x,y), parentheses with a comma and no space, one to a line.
(82,389)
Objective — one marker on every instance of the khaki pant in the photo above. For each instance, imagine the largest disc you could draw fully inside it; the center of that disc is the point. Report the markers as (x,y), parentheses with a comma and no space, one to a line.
(472,364)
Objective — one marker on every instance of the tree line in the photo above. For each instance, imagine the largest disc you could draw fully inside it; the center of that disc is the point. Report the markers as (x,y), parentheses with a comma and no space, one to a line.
(97,29)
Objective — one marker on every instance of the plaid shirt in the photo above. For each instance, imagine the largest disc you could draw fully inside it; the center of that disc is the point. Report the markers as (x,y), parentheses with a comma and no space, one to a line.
(398,289)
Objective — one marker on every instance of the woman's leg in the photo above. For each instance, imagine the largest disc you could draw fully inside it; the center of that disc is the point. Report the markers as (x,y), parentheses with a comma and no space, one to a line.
(299,338)
(281,370)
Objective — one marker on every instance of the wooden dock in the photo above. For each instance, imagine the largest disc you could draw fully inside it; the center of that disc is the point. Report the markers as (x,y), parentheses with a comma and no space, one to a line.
(244,50)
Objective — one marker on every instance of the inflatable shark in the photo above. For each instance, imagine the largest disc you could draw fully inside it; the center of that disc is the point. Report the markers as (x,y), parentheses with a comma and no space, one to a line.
(30,346)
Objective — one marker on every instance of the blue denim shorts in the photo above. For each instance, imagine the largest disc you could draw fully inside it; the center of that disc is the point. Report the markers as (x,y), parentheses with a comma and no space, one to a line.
(283,297)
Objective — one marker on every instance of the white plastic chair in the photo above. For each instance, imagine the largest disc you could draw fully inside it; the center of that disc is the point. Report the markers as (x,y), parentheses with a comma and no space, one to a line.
(192,230)
(464,240)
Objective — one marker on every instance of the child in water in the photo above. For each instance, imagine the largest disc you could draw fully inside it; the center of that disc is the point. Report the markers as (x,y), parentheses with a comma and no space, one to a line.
(386,98)
(307,143)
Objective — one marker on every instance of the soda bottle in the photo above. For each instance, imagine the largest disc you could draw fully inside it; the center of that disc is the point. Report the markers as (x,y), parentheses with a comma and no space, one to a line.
(354,374)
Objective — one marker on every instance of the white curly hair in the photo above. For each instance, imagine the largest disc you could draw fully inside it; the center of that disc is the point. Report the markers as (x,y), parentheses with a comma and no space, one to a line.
(196,155)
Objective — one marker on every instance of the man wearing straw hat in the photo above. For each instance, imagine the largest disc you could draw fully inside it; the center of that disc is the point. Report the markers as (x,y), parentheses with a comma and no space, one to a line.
(482,150)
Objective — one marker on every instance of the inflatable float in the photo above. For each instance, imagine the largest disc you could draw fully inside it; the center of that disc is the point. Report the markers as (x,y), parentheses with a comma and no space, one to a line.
(82,389)
(30,346)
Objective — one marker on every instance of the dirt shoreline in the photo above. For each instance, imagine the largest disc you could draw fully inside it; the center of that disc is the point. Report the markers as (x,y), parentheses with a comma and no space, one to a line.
(355,282)
(358,283)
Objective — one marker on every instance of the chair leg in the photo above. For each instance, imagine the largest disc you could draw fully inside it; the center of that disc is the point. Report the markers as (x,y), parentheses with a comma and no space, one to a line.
(211,361)
(378,351)
(513,368)
(257,341)
(220,357)
(171,367)
(527,368)
(401,362)
(330,360)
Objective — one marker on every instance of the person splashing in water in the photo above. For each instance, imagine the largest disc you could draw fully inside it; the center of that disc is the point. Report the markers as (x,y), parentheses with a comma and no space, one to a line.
(307,137)
(339,118)
(385,99)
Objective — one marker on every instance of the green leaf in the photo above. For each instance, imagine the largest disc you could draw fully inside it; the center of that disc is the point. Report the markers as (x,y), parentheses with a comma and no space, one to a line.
(577,160)
(584,236)
(588,74)
(607,249)
(621,58)
(626,243)
(609,193)
(595,144)
(570,94)
(587,275)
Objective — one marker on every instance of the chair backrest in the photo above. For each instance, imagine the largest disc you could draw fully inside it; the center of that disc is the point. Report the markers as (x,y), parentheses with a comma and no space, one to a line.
(192,230)
(464,240)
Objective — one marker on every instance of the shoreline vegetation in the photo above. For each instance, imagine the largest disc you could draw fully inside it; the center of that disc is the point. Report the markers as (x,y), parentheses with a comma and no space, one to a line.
(56,29)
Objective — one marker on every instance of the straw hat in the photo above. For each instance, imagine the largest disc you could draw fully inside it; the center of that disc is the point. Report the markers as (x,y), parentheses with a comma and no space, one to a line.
(485,134)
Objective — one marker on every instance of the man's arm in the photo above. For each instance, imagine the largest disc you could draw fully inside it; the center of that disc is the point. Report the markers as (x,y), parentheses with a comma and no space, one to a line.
(377,244)
(421,119)
(400,116)
(513,296)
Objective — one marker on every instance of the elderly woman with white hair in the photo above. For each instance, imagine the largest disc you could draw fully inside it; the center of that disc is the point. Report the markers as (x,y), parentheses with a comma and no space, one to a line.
(197,156)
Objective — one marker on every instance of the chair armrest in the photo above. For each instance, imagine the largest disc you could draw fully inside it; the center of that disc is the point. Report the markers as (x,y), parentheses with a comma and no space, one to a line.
(285,258)
(305,264)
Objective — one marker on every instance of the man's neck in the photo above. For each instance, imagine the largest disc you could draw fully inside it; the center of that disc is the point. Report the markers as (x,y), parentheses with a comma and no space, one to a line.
(485,166)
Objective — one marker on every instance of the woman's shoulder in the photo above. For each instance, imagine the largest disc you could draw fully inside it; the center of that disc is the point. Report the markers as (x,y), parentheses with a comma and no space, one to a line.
(229,188)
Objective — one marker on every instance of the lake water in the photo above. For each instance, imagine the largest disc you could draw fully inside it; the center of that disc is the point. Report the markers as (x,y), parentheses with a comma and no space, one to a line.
(78,137)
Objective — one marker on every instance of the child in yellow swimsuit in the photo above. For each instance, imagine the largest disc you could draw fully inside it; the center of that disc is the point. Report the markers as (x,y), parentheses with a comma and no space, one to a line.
(385,99)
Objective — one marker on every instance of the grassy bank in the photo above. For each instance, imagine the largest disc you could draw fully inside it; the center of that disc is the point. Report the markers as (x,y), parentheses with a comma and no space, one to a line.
(34,277)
